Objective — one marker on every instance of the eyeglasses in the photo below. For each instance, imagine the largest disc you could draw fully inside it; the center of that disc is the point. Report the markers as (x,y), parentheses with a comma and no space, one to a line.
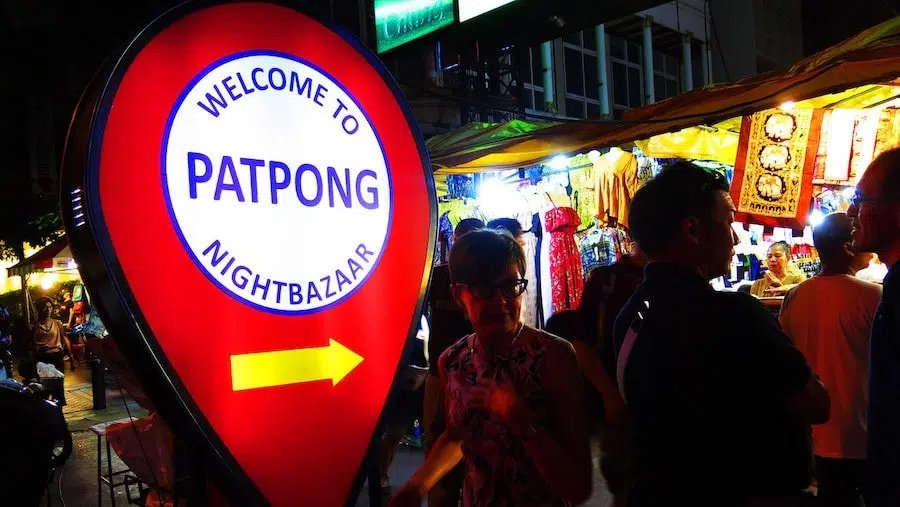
(858,199)
(509,289)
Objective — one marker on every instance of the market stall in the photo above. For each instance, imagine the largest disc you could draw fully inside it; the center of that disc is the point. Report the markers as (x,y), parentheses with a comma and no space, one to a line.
(573,211)
(793,144)
(50,271)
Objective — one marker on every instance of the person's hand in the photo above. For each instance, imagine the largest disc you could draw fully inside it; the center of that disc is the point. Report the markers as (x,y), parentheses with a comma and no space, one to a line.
(408,496)
(774,281)
(778,291)
(502,402)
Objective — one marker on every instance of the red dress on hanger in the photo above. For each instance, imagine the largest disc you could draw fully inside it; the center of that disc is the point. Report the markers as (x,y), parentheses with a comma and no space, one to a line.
(566,279)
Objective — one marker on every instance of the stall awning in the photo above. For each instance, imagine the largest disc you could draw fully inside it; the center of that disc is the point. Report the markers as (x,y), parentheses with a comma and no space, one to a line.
(858,72)
(54,255)
(870,57)
(474,140)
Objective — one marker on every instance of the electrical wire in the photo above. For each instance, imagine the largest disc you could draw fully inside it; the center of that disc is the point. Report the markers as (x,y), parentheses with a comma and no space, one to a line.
(62,469)
(138,437)
(739,107)
(59,484)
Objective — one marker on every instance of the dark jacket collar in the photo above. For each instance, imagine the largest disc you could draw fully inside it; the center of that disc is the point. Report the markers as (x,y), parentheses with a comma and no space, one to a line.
(679,276)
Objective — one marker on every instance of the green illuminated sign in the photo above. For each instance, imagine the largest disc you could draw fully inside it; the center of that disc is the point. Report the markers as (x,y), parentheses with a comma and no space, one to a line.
(468,9)
(400,21)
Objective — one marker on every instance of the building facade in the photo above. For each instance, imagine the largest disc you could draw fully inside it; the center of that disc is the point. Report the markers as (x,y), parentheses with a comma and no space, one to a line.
(603,70)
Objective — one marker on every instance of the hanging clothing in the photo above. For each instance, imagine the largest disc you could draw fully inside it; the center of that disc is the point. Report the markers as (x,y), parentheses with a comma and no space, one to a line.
(584,195)
(445,238)
(531,302)
(566,274)
(545,276)
(598,247)
(616,176)
(887,134)
(458,209)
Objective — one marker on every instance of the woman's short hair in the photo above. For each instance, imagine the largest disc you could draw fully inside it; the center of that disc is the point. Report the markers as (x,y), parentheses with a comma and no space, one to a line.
(483,255)
(783,246)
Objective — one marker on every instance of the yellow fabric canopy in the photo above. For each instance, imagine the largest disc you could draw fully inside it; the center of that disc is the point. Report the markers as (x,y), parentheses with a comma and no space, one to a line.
(700,143)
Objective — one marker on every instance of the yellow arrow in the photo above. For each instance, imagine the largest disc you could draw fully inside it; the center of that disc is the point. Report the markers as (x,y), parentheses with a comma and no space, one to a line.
(268,369)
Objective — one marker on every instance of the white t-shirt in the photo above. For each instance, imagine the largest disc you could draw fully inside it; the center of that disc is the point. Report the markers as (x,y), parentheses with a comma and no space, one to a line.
(829,318)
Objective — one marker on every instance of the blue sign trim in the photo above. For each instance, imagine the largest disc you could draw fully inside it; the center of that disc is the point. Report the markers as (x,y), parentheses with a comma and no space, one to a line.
(165,187)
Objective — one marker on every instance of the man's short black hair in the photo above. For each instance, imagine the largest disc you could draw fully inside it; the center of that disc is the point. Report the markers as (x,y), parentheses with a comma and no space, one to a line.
(510,225)
(831,235)
(483,255)
(679,191)
(467,225)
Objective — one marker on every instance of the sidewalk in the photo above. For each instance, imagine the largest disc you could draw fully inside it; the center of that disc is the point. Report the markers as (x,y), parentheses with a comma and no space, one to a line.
(75,485)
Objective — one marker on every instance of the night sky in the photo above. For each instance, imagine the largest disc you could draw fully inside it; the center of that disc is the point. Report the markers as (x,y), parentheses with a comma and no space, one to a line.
(53,48)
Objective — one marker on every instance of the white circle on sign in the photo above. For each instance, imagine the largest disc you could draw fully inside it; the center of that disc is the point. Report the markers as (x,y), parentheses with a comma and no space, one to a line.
(276,182)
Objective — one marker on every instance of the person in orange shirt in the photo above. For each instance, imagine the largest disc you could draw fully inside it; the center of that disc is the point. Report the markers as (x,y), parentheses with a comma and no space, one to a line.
(829,317)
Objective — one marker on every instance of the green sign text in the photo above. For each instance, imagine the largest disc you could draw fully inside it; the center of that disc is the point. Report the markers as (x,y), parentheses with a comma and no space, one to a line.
(400,21)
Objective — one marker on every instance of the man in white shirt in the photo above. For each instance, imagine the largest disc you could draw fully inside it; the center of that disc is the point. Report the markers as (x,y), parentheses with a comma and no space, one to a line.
(829,318)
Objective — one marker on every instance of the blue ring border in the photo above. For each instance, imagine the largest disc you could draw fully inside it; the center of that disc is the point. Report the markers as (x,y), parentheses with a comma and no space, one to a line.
(165,187)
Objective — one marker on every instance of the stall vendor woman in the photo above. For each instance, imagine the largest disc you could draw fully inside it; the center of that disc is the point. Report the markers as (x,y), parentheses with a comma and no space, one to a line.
(782,274)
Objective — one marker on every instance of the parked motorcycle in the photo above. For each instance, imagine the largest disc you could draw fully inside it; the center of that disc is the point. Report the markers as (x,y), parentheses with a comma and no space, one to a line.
(37,441)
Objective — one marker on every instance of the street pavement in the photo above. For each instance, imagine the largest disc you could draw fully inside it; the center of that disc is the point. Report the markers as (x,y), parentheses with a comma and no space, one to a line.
(75,484)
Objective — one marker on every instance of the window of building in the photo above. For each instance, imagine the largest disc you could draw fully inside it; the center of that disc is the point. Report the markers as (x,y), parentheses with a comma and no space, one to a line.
(580,54)
(626,75)
(532,75)
(666,75)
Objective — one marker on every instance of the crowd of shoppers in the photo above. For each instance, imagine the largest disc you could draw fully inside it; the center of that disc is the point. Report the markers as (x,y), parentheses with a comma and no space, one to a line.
(701,397)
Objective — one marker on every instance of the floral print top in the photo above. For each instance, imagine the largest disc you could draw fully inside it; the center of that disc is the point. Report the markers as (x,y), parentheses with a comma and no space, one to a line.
(499,471)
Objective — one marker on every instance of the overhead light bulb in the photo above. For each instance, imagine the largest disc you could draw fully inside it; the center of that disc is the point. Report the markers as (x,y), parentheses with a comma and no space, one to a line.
(816,218)
(559,162)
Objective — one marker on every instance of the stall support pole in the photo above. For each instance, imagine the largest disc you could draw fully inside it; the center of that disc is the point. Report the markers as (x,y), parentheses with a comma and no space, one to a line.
(687,65)
(547,66)
(704,63)
(98,384)
(602,87)
(649,89)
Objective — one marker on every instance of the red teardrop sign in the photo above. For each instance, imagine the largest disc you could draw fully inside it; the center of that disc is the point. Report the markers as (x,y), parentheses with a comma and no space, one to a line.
(252,207)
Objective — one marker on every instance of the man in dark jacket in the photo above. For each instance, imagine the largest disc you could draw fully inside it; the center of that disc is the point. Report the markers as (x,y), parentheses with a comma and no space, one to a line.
(719,399)
(875,218)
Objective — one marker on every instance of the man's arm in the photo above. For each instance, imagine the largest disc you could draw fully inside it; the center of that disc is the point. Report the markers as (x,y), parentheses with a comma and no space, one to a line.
(780,369)
(593,369)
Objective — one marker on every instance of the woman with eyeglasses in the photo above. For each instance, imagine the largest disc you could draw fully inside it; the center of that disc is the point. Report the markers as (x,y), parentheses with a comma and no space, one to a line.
(515,412)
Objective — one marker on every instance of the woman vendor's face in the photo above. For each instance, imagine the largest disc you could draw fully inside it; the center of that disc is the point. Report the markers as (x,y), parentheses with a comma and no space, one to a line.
(776,260)
(498,313)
